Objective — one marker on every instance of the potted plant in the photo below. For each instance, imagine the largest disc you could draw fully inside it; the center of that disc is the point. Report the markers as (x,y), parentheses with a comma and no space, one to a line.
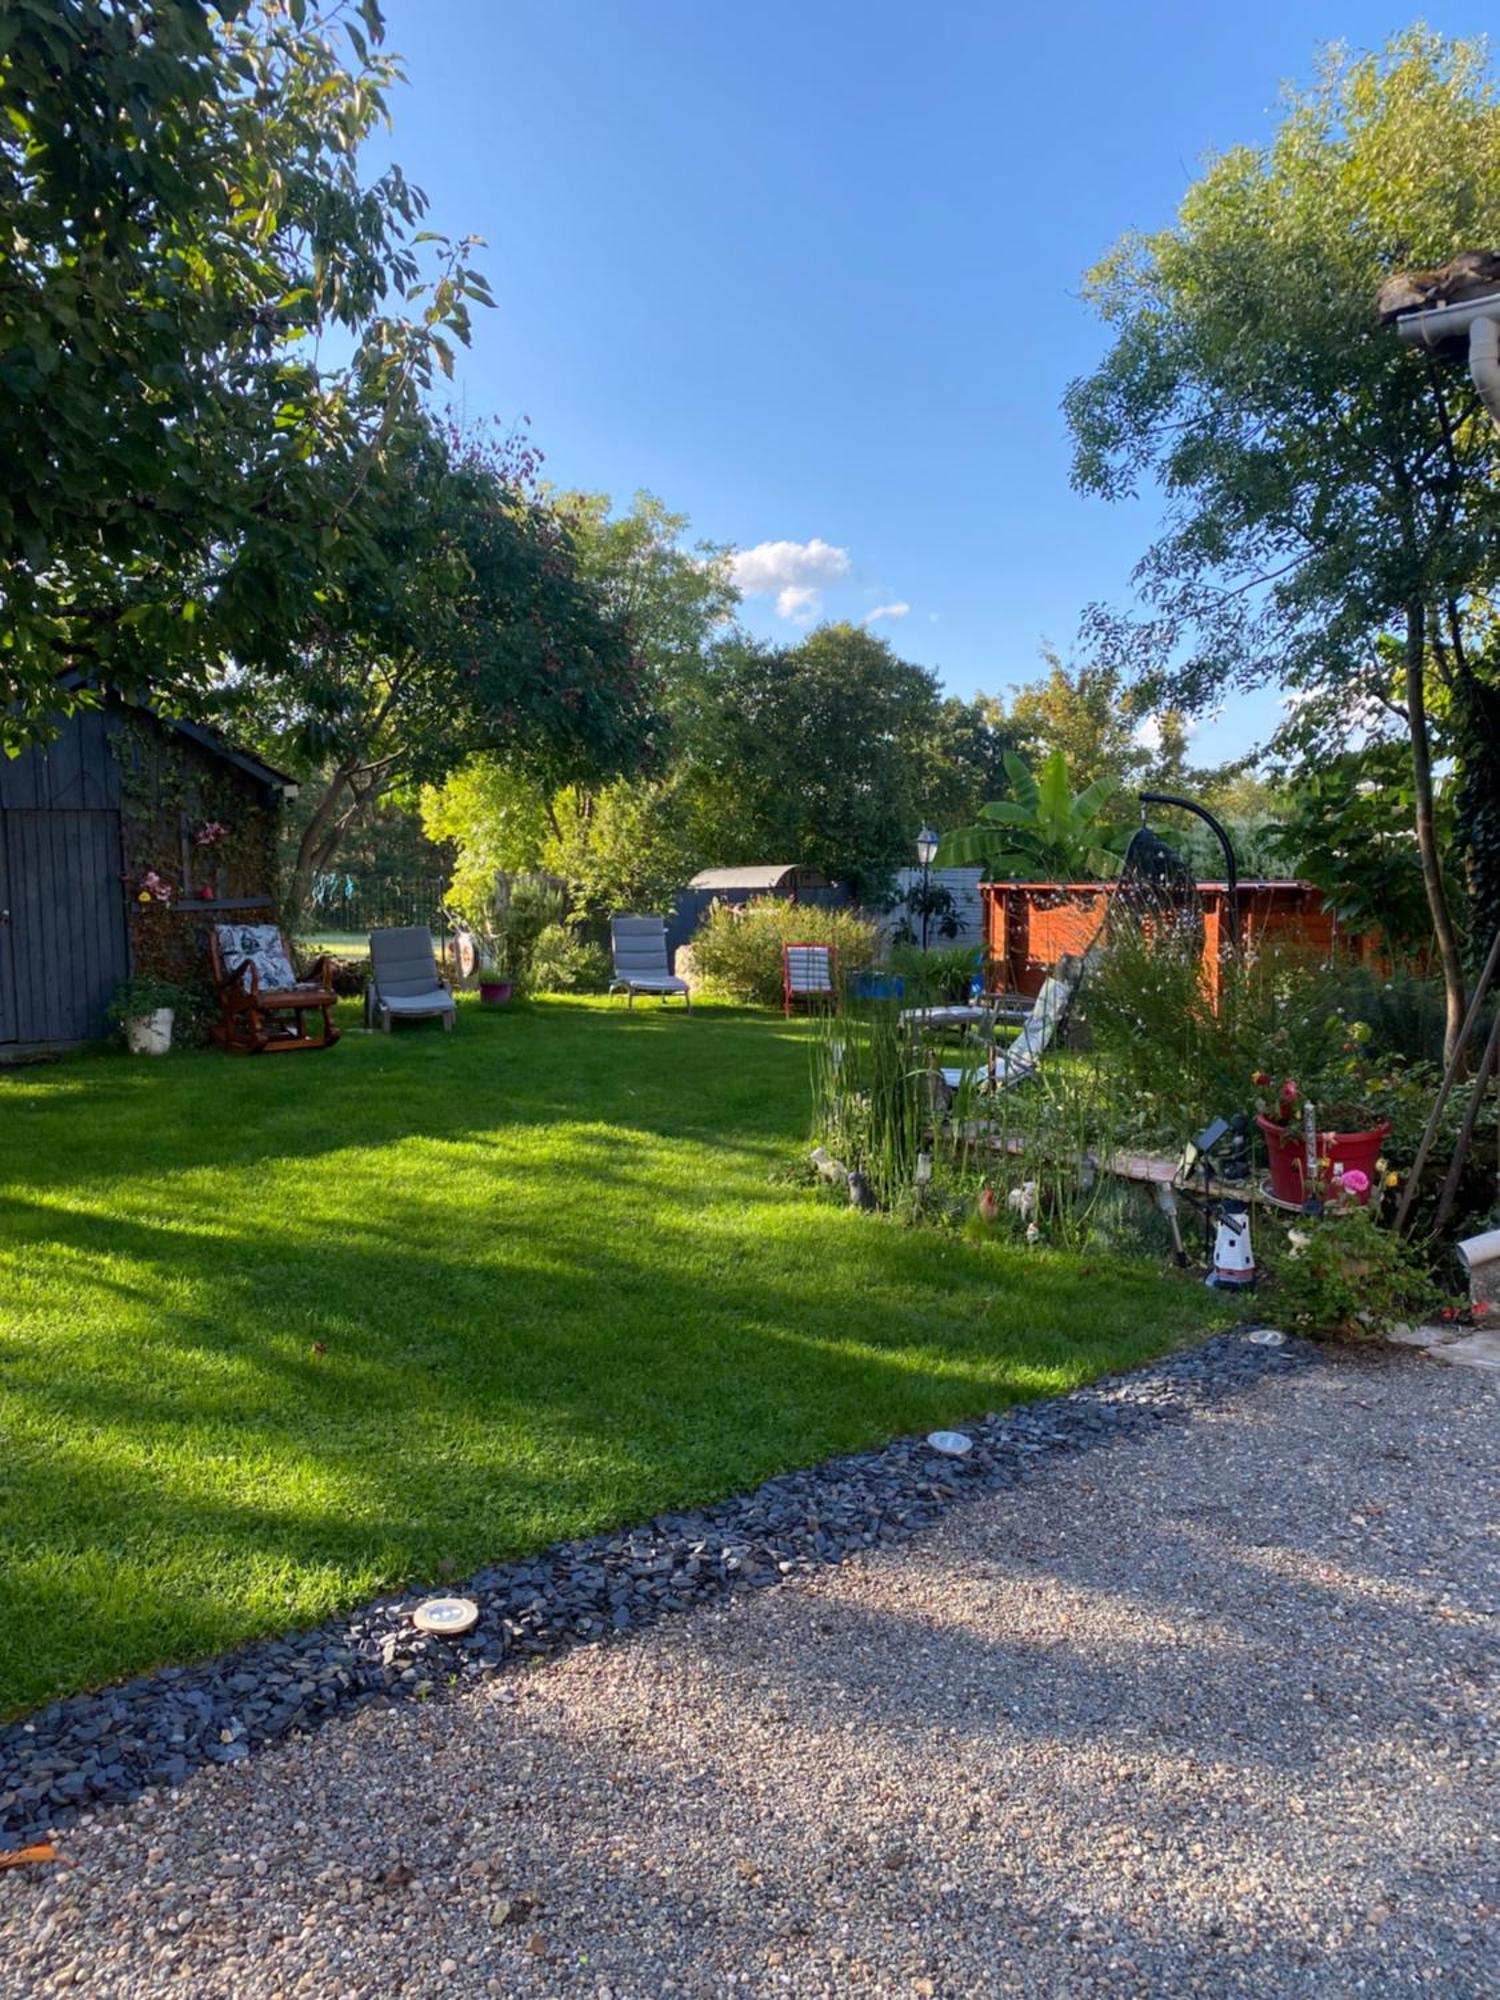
(496,981)
(144,1007)
(1346,1143)
(494,988)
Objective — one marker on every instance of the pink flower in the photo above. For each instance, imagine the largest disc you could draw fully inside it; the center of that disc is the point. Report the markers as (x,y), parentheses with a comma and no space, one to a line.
(1356,1182)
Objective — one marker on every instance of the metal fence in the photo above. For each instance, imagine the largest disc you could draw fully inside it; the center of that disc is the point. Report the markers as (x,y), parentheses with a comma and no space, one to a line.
(353,903)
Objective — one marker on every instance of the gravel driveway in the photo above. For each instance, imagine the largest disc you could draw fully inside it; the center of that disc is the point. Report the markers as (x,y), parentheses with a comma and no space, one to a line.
(1210,1712)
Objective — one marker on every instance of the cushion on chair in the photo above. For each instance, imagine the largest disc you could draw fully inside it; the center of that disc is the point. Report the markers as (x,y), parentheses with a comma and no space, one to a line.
(258,945)
(405,966)
(435,1001)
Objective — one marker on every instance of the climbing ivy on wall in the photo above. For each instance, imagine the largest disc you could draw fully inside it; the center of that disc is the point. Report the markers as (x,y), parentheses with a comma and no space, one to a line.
(173,793)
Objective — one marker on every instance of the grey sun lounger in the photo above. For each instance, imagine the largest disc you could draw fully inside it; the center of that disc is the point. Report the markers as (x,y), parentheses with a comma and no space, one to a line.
(639,945)
(405,984)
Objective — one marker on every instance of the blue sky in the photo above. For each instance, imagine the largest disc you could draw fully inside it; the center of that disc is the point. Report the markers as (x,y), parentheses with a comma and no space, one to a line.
(811,273)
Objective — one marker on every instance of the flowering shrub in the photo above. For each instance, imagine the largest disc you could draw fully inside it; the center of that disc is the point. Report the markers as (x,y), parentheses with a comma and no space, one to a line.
(1345,1276)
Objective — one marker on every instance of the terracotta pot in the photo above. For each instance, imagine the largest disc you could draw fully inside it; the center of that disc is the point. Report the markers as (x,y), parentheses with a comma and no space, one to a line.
(150,1034)
(1286,1151)
(494,992)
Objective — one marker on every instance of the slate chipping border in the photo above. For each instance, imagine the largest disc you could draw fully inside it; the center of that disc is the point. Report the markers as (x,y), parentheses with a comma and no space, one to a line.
(109,1747)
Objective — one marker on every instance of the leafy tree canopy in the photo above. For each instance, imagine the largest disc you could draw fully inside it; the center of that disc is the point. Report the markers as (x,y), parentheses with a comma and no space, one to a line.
(1326,489)
(188,239)
(826,753)
(1307,469)
(462,624)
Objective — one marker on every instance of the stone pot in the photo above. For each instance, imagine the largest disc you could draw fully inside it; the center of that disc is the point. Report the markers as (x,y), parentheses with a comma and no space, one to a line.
(150,1034)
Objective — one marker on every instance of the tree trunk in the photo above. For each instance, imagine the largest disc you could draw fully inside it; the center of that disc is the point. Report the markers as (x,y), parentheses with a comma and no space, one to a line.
(314,835)
(1450,955)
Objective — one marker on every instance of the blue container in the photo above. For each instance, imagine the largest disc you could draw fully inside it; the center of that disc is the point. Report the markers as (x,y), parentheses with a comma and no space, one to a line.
(878,986)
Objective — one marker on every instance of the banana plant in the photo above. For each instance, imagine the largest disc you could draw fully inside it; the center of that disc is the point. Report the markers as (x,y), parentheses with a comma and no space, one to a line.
(1044,832)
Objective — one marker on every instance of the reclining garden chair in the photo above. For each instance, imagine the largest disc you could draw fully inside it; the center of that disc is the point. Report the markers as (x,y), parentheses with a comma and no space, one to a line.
(639,945)
(263,1004)
(809,975)
(405,983)
(1008,1067)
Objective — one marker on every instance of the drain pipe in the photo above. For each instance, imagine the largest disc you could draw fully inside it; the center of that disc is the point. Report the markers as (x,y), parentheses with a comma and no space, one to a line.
(1480,320)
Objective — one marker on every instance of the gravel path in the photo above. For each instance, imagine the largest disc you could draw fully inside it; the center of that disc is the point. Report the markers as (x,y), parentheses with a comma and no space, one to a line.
(1207,1712)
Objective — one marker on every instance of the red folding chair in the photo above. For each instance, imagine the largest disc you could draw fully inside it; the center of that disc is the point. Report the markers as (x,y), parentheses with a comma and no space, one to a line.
(809,975)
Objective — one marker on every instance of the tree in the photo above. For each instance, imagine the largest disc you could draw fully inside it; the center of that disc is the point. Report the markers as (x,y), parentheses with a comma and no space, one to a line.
(188,238)
(1340,832)
(462,625)
(819,753)
(675,595)
(1324,491)
(1043,832)
(1080,711)
(629,842)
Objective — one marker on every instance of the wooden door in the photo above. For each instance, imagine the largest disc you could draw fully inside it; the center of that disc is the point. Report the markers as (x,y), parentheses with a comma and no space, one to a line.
(63,946)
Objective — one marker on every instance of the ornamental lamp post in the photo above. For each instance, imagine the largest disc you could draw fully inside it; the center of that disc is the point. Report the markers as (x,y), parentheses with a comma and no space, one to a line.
(927,847)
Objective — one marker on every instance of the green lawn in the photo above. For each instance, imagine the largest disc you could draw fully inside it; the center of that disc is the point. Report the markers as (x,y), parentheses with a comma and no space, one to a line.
(556,1289)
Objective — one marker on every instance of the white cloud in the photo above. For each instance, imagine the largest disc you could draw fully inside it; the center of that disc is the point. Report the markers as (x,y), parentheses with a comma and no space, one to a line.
(799,602)
(885,611)
(791,572)
(1148,733)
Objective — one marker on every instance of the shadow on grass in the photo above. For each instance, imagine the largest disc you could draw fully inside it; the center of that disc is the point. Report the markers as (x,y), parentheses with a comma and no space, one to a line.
(281,1335)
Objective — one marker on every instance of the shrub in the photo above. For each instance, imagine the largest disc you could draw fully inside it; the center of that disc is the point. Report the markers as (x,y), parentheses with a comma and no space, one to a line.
(535,907)
(1345,1275)
(940,976)
(144,994)
(737,949)
(564,961)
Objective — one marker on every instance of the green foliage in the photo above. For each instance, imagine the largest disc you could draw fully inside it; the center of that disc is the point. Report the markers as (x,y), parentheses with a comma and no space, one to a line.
(941,975)
(143,994)
(1344,1275)
(1333,515)
(627,845)
(1081,711)
(535,907)
(828,753)
(466,626)
(737,948)
(1043,832)
(1347,828)
(197,342)
(1356,1045)
(1312,490)
(674,597)
(872,1101)
(564,961)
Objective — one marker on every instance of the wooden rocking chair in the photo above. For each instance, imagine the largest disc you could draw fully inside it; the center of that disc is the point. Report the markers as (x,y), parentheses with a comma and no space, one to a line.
(263,1004)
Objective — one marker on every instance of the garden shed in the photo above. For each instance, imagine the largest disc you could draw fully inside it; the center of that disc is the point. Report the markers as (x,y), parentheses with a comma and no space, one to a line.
(742,885)
(1029,926)
(121,838)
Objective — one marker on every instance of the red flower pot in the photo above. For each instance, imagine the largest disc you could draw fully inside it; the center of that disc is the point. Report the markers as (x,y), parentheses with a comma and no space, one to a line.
(494,992)
(1286,1148)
